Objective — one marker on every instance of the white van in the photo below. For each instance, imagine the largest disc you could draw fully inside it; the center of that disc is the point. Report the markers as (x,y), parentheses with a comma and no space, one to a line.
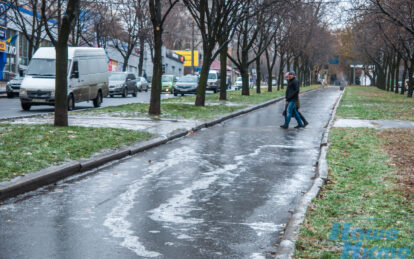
(213,82)
(87,77)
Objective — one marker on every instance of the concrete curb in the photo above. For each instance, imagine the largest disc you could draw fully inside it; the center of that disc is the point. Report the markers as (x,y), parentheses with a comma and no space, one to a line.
(287,245)
(52,174)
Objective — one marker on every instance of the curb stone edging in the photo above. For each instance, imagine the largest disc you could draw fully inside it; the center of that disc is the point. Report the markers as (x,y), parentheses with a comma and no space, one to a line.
(32,181)
(287,245)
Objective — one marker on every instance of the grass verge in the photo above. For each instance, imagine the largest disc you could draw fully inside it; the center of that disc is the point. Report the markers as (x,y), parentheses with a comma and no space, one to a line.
(27,148)
(362,184)
(169,110)
(375,104)
(183,107)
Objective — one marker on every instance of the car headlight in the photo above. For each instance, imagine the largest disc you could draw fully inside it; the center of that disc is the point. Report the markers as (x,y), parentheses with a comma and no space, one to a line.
(23,91)
(119,86)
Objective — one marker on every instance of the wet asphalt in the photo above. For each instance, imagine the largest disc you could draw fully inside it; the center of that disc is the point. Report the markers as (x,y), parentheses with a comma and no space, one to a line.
(223,192)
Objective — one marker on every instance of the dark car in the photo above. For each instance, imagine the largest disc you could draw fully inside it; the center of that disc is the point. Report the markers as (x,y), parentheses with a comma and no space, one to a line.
(13,86)
(186,85)
(122,83)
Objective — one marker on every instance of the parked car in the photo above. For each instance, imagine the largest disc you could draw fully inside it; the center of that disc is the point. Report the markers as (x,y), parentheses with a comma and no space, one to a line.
(122,83)
(274,82)
(142,84)
(13,86)
(168,82)
(87,77)
(186,85)
(213,82)
(239,83)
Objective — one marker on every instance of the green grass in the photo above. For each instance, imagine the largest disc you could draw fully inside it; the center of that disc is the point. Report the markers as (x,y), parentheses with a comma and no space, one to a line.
(183,107)
(362,185)
(375,104)
(27,148)
(169,110)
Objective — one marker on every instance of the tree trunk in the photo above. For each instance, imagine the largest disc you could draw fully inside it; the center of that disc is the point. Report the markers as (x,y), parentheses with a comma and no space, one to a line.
(269,71)
(201,89)
(244,70)
(223,71)
(410,79)
(125,65)
(141,55)
(258,75)
(155,102)
(280,78)
(61,107)
(397,73)
(61,82)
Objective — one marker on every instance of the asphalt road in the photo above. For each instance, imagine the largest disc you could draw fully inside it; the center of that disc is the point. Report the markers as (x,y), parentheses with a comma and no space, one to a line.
(223,192)
(10,108)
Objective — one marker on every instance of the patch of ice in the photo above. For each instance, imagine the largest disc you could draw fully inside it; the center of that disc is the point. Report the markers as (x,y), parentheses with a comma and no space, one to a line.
(117,221)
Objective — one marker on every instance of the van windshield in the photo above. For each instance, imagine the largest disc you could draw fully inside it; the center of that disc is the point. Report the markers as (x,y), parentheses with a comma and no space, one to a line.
(212,76)
(43,67)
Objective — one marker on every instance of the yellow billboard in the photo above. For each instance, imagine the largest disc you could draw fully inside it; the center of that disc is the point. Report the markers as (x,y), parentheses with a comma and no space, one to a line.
(187,57)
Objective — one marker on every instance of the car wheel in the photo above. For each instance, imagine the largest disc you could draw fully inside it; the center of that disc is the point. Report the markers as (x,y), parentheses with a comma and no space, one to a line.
(182,94)
(26,106)
(175,94)
(146,89)
(215,91)
(10,95)
(134,94)
(111,95)
(71,103)
(98,100)
(124,93)
(140,89)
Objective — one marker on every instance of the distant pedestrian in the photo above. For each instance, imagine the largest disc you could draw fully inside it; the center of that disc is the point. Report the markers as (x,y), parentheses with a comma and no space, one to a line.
(292,97)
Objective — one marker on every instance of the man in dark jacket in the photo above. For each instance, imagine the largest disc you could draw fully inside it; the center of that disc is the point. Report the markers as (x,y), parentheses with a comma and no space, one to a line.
(292,96)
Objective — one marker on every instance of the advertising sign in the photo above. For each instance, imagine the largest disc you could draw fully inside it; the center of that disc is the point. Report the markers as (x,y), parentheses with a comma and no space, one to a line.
(187,57)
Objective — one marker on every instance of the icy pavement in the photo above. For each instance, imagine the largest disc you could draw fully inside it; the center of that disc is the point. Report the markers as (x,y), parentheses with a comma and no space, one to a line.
(376,124)
(224,192)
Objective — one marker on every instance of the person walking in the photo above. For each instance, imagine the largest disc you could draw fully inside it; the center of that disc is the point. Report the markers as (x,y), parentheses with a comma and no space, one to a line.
(292,96)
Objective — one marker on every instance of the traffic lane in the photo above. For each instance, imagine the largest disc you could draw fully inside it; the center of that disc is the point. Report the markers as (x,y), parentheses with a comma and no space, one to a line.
(222,192)
(10,108)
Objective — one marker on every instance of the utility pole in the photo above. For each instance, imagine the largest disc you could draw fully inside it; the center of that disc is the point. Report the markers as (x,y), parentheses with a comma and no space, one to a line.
(192,49)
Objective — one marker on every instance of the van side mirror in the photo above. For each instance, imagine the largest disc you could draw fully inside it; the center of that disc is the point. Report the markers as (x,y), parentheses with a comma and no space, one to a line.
(75,74)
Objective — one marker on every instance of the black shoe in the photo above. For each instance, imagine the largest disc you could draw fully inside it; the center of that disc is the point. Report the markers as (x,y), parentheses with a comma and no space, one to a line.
(299,126)
(305,124)
(284,126)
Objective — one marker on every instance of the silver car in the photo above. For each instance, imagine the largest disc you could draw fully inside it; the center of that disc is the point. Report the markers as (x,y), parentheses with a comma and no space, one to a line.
(13,86)
(142,84)
(186,85)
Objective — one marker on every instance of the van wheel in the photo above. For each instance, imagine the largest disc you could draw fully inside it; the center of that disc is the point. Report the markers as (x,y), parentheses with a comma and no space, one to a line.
(124,93)
(71,103)
(26,106)
(98,100)
(111,95)
(215,90)
(134,94)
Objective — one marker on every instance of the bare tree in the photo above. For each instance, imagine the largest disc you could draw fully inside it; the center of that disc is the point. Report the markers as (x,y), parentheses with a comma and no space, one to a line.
(213,19)
(158,19)
(65,25)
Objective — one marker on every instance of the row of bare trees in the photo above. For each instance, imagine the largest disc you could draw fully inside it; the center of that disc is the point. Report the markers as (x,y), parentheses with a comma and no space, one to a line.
(383,36)
(254,30)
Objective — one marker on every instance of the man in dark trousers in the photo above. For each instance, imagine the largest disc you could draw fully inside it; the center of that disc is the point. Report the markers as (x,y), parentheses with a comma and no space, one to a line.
(292,97)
